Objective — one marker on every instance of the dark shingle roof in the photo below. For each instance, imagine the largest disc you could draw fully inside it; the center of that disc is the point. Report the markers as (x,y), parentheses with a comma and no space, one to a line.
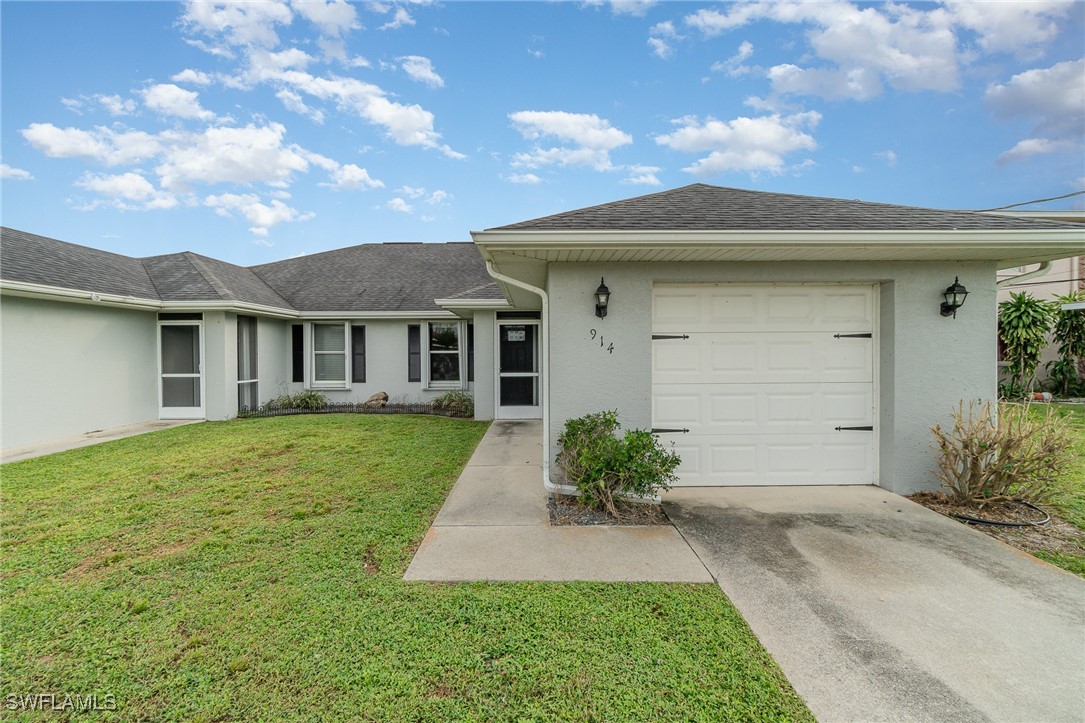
(377,277)
(37,259)
(371,277)
(700,207)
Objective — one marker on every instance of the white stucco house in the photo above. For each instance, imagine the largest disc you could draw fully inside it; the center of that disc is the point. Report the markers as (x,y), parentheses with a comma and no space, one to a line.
(775,339)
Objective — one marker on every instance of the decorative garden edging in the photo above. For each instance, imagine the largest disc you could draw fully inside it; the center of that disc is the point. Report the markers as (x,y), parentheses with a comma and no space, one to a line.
(343,408)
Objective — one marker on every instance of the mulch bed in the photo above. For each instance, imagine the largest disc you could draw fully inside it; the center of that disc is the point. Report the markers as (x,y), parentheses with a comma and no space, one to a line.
(1057,536)
(565,510)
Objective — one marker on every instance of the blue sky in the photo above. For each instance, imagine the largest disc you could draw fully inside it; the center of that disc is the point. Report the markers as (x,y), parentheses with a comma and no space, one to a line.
(258,131)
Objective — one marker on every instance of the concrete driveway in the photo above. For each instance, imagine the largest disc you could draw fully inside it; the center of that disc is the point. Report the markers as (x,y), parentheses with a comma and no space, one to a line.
(879,609)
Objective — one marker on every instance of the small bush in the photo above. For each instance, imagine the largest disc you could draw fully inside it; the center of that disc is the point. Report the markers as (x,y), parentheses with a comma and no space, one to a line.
(455,403)
(604,467)
(1002,453)
(302,400)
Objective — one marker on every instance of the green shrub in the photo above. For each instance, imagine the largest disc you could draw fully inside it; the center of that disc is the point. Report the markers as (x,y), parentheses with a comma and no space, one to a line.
(455,403)
(1069,333)
(307,400)
(604,467)
(1023,324)
(1001,454)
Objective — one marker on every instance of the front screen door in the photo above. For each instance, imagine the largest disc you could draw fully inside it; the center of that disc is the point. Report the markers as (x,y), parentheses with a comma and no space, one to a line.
(181,363)
(518,380)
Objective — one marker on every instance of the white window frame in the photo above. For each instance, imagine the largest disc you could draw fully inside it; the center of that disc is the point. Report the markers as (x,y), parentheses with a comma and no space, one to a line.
(461,342)
(311,356)
(256,343)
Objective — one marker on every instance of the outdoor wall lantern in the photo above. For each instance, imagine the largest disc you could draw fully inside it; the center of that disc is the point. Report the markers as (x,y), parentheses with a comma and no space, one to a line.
(955,296)
(602,299)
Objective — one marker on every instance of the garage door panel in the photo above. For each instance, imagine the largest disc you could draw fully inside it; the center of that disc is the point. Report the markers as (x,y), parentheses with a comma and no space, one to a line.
(762,308)
(714,460)
(762,409)
(745,358)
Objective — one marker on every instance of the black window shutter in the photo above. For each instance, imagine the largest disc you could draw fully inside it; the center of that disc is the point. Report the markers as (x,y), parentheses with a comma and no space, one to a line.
(357,350)
(414,353)
(297,354)
(470,352)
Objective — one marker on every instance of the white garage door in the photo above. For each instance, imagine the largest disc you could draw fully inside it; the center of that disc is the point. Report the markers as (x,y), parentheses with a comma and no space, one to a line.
(771,383)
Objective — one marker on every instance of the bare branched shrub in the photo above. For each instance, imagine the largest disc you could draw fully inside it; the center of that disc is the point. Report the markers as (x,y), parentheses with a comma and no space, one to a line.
(993,454)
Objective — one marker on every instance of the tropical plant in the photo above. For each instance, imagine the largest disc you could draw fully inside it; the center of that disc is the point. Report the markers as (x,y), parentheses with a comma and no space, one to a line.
(1023,324)
(455,403)
(995,453)
(605,468)
(308,400)
(1069,333)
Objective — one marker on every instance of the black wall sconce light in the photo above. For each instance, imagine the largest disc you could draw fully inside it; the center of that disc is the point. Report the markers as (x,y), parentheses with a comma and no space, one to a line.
(955,296)
(602,299)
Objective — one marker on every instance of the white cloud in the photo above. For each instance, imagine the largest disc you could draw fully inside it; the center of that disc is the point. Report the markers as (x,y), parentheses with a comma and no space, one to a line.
(643,176)
(171,100)
(399,19)
(420,69)
(1013,27)
(192,77)
(659,36)
(637,8)
(411,191)
(262,216)
(242,23)
(905,47)
(538,54)
(350,177)
(398,204)
(251,154)
(127,191)
(293,103)
(220,51)
(1030,147)
(889,156)
(11,173)
(857,169)
(527,178)
(115,105)
(593,137)
(332,18)
(73,104)
(734,66)
(742,144)
(1053,99)
(102,144)
(438,197)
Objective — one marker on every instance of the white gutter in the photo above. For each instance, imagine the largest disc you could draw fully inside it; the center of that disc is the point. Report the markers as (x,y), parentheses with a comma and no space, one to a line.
(544,352)
(1044,268)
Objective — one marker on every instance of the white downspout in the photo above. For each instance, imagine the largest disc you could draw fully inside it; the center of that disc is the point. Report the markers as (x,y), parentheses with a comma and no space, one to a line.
(545,353)
(1044,268)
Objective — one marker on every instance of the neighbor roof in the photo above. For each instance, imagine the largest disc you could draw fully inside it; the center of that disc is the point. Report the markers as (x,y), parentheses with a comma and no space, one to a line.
(370,277)
(700,207)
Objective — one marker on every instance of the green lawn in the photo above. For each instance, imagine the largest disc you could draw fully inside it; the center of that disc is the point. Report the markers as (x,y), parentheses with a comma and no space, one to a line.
(1071,503)
(251,570)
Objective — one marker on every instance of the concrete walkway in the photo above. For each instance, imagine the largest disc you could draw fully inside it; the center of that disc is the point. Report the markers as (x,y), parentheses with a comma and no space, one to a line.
(495,526)
(40,449)
(879,609)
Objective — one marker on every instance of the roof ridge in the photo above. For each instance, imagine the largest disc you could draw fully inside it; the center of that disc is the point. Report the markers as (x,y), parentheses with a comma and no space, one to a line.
(209,276)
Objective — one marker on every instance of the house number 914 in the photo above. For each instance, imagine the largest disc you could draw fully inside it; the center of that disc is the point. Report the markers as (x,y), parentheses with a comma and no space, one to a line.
(602,344)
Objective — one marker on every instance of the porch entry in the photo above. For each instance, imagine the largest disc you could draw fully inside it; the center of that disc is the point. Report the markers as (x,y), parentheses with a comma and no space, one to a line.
(180,364)
(518,379)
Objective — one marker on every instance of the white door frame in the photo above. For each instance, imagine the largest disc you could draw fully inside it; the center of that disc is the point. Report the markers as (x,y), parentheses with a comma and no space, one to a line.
(518,411)
(181,412)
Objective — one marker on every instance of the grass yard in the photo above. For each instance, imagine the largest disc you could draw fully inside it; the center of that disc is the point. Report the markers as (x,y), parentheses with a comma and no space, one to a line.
(1071,503)
(251,570)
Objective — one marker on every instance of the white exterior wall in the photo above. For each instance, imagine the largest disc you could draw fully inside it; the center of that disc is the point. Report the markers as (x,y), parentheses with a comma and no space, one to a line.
(272,358)
(386,364)
(927,362)
(68,369)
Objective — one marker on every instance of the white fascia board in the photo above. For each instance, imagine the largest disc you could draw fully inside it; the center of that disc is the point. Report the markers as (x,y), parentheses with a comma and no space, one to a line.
(240,307)
(472,303)
(427,314)
(77,296)
(967,239)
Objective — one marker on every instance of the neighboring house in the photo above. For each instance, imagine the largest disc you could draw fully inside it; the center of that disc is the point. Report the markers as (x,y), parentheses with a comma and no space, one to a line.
(775,339)
(1044,281)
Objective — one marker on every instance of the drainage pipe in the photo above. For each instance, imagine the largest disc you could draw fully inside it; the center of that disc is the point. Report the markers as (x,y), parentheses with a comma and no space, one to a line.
(1044,268)
(544,352)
